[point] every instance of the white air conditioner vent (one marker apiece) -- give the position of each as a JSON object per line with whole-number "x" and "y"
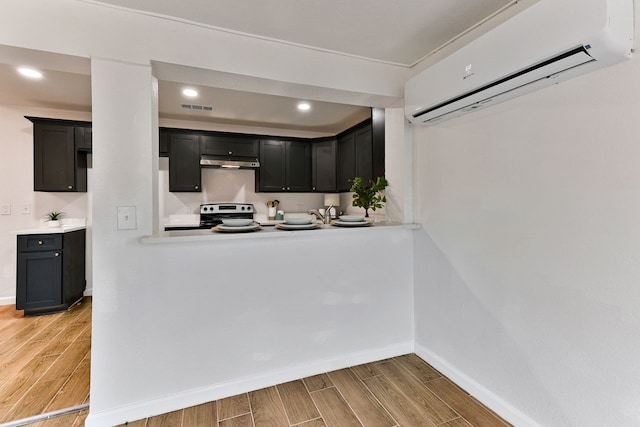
{"x": 572, "y": 37}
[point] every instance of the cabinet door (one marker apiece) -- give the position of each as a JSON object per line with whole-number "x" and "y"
{"x": 39, "y": 280}
{"x": 272, "y": 172}
{"x": 74, "y": 266}
{"x": 298, "y": 166}
{"x": 83, "y": 138}
{"x": 364, "y": 154}
{"x": 346, "y": 161}
{"x": 323, "y": 166}
{"x": 232, "y": 146}
{"x": 184, "y": 163}
{"x": 54, "y": 158}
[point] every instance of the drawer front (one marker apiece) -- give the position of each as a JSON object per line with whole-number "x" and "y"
{"x": 39, "y": 242}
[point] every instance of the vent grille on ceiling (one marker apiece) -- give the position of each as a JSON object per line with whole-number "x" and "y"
{"x": 197, "y": 107}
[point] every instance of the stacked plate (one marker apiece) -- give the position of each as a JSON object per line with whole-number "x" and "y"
{"x": 352, "y": 221}
{"x": 298, "y": 222}
{"x": 237, "y": 225}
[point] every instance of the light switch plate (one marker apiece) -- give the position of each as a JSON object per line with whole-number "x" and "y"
{"x": 126, "y": 218}
{"x": 5, "y": 209}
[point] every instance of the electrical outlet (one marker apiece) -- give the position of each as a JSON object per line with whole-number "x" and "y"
{"x": 5, "y": 209}
{"x": 25, "y": 209}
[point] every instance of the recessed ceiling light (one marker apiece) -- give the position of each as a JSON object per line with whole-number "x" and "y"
{"x": 191, "y": 93}
{"x": 30, "y": 72}
{"x": 304, "y": 106}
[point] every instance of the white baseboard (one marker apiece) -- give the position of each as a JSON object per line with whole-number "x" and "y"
{"x": 488, "y": 398}
{"x": 8, "y": 300}
{"x": 197, "y": 396}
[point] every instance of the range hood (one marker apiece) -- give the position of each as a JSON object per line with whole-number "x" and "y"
{"x": 207, "y": 161}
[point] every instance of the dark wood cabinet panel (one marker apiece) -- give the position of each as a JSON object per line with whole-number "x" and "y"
{"x": 51, "y": 271}
{"x": 184, "y": 163}
{"x": 232, "y": 146}
{"x": 323, "y": 166}
{"x": 272, "y": 175}
{"x": 356, "y": 155}
{"x": 39, "y": 277}
{"x": 298, "y": 165}
{"x": 54, "y": 158}
{"x": 284, "y": 166}
{"x": 83, "y": 138}
{"x": 60, "y": 149}
{"x": 364, "y": 154}
{"x": 346, "y": 160}
{"x": 163, "y": 143}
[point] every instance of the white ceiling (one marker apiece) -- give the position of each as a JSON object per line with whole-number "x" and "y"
{"x": 398, "y": 31}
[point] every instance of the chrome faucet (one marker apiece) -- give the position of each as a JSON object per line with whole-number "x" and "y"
{"x": 326, "y": 218}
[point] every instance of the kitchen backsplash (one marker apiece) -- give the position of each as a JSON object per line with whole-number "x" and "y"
{"x": 220, "y": 185}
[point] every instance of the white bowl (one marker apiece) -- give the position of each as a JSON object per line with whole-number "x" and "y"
{"x": 237, "y": 222}
{"x": 298, "y": 219}
{"x": 352, "y": 218}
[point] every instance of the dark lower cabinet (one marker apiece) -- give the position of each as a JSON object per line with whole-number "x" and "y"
{"x": 284, "y": 166}
{"x": 50, "y": 271}
{"x": 184, "y": 163}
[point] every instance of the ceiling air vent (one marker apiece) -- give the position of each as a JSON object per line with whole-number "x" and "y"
{"x": 197, "y": 107}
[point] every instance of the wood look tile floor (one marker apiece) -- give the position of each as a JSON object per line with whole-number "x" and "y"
{"x": 44, "y": 363}
{"x": 402, "y": 391}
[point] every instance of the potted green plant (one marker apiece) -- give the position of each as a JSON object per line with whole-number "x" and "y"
{"x": 53, "y": 218}
{"x": 369, "y": 195}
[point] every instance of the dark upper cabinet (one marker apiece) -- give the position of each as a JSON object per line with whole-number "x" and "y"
{"x": 284, "y": 166}
{"x": 58, "y": 163}
{"x": 346, "y": 160}
{"x": 163, "y": 143}
{"x": 272, "y": 175}
{"x": 323, "y": 165}
{"x": 184, "y": 162}
{"x": 51, "y": 271}
{"x": 298, "y": 161}
{"x": 364, "y": 154}
{"x": 230, "y": 145}
{"x": 356, "y": 155}
{"x": 84, "y": 138}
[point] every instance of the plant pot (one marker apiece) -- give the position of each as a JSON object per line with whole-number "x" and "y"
{"x": 53, "y": 224}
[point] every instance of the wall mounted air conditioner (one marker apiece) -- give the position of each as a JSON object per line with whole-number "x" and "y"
{"x": 550, "y": 41}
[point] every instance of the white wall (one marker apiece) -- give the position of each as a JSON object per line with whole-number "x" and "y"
{"x": 16, "y": 188}
{"x": 527, "y": 273}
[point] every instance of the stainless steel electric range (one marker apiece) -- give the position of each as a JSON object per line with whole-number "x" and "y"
{"x": 212, "y": 214}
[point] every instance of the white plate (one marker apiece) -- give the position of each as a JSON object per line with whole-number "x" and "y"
{"x": 351, "y": 218}
{"x": 237, "y": 222}
{"x": 226, "y": 229}
{"x": 285, "y": 226}
{"x": 366, "y": 223}
{"x": 298, "y": 219}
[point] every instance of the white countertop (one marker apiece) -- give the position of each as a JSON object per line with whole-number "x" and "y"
{"x": 266, "y": 232}
{"x": 68, "y": 225}
{"x": 49, "y": 230}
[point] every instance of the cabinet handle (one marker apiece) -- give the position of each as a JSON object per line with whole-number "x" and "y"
{"x": 70, "y": 187}
{"x": 314, "y": 188}
{"x": 288, "y": 188}
{"x": 57, "y": 253}
{"x": 39, "y": 242}
{"x": 283, "y": 188}
{"x": 230, "y": 152}
{"x": 195, "y": 187}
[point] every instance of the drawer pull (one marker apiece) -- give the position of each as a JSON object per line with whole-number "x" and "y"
{"x": 57, "y": 253}
{"x": 40, "y": 242}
